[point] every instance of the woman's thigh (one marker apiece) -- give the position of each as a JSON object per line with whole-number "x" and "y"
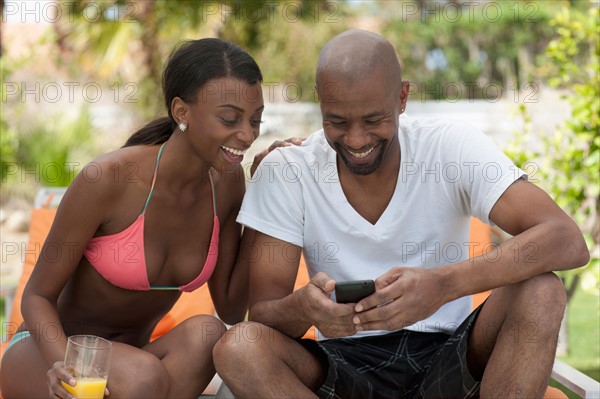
{"x": 132, "y": 371}
{"x": 23, "y": 371}
{"x": 186, "y": 353}
{"x": 179, "y": 364}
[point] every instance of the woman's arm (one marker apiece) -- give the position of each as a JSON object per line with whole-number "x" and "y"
{"x": 80, "y": 213}
{"x": 229, "y": 282}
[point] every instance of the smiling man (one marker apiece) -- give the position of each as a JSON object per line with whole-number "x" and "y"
{"x": 379, "y": 195}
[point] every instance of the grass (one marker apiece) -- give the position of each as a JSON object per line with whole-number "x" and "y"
{"x": 2, "y": 317}
{"x": 584, "y": 336}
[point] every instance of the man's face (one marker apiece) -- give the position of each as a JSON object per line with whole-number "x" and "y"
{"x": 360, "y": 119}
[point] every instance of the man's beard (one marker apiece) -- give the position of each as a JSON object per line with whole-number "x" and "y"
{"x": 363, "y": 169}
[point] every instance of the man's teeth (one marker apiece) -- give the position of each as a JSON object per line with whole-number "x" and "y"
{"x": 361, "y": 154}
{"x": 233, "y": 150}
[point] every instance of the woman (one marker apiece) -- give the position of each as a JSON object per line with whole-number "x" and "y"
{"x": 142, "y": 224}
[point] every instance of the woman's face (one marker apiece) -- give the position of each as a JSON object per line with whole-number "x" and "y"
{"x": 225, "y": 120}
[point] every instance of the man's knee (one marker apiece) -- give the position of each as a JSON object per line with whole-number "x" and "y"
{"x": 244, "y": 337}
{"x": 543, "y": 302}
{"x": 241, "y": 343}
{"x": 548, "y": 290}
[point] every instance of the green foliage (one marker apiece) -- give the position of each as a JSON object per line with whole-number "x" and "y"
{"x": 283, "y": 37}
{"x": 50, "y": 154}
{"x": 486, "y": 48}
{"x": 35, "y": 151}
{"x": 52, "y": 148}
{"x": 584, "y": 342}
{"x": 127, "y": 41}
{"x": 569, "y": 161}
{"x": 8, "y": 137}
{"x": 286, "y": 42}
{"x": 3, "y": 325}
{"x": 8, "y": 145}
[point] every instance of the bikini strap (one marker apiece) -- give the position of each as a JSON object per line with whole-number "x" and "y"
{"x": 214, "y": 197}
{"x": 154, "y": 177}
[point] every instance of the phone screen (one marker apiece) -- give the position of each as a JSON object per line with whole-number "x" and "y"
{"x": 353, "y": 291}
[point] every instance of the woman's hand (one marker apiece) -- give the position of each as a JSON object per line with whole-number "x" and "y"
{"x": 57, "y": 374}
{"x": 54, "y": 376}
{"x": 277, "y": 143}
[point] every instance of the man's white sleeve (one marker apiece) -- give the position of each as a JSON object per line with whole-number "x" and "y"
{"x": 488, "y": 172}
{"x": 274, "y": 203}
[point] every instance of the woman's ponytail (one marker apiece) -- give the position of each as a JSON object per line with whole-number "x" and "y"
{"x": 156, "y": 132}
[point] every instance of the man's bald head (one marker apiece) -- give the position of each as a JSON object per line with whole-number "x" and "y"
{"x": 355, "y": 54}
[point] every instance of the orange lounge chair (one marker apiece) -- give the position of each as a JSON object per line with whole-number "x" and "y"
{"x": 199, "y": 302}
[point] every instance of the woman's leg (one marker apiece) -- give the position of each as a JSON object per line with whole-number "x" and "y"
{"x": 179, "y": 364}
{"x": 23, "y": 371}
{"x": 186, "y": 354}
{"x": 133, "y": 372}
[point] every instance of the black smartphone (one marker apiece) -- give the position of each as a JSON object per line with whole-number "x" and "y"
{"x": 353, "y": 291}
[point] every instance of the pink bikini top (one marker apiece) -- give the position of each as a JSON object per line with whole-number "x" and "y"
{"x": 120, "y": 257}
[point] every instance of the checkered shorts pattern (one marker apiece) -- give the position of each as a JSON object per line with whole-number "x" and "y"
{"x": 402, "y": 364}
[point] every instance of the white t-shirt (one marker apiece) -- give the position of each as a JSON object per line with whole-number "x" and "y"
{"x": 449, "y": 171}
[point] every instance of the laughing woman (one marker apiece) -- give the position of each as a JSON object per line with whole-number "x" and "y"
{"x": 135, "y": 241}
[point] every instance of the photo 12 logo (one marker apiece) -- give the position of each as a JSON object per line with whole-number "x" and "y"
{"x": 27, "y": 11}
{"x": 72, "y": 92}
{"x": 452, "y": 92}
{"x": 468, "y": 11}
{"x": 69, "y": 11}
{"x": 255, "y": 11}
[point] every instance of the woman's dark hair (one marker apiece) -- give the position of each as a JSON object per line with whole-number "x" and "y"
{"x": 189, "y": 67}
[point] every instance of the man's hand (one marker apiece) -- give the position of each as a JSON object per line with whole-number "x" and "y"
{"x": 332, "y": 319}
{"x": 403, "y": 296}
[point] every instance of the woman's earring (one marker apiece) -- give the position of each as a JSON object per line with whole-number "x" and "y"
{"x": 182, "y": 127}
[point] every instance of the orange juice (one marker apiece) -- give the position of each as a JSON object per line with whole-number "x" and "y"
{"x": 87, "y": 388}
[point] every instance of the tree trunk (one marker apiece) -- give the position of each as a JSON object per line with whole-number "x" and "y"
{"x": 148, "y": 21}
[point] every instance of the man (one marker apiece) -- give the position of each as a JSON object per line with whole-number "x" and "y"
{"x": 379, "y": 195}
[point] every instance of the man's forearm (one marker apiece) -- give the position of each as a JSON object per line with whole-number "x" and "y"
{"x": 541, "y": 249}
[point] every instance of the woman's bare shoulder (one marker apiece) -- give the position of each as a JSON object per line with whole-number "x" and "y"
{"x": 108, "y": 177}
{"x": 121, "y": 166}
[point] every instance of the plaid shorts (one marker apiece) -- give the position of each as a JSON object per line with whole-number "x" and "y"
{"x": 401, "y": 364}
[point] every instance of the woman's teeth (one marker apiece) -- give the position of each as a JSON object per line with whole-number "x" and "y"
{"x": 361, "y": 154}
{"x": 233, "y": 150}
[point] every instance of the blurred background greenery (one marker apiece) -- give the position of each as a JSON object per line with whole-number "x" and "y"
{"x": 516, "y": 48}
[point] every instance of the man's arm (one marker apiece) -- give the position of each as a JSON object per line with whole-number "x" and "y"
{"x": 273, "y": 271}
{"x": 545, "y": 239}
